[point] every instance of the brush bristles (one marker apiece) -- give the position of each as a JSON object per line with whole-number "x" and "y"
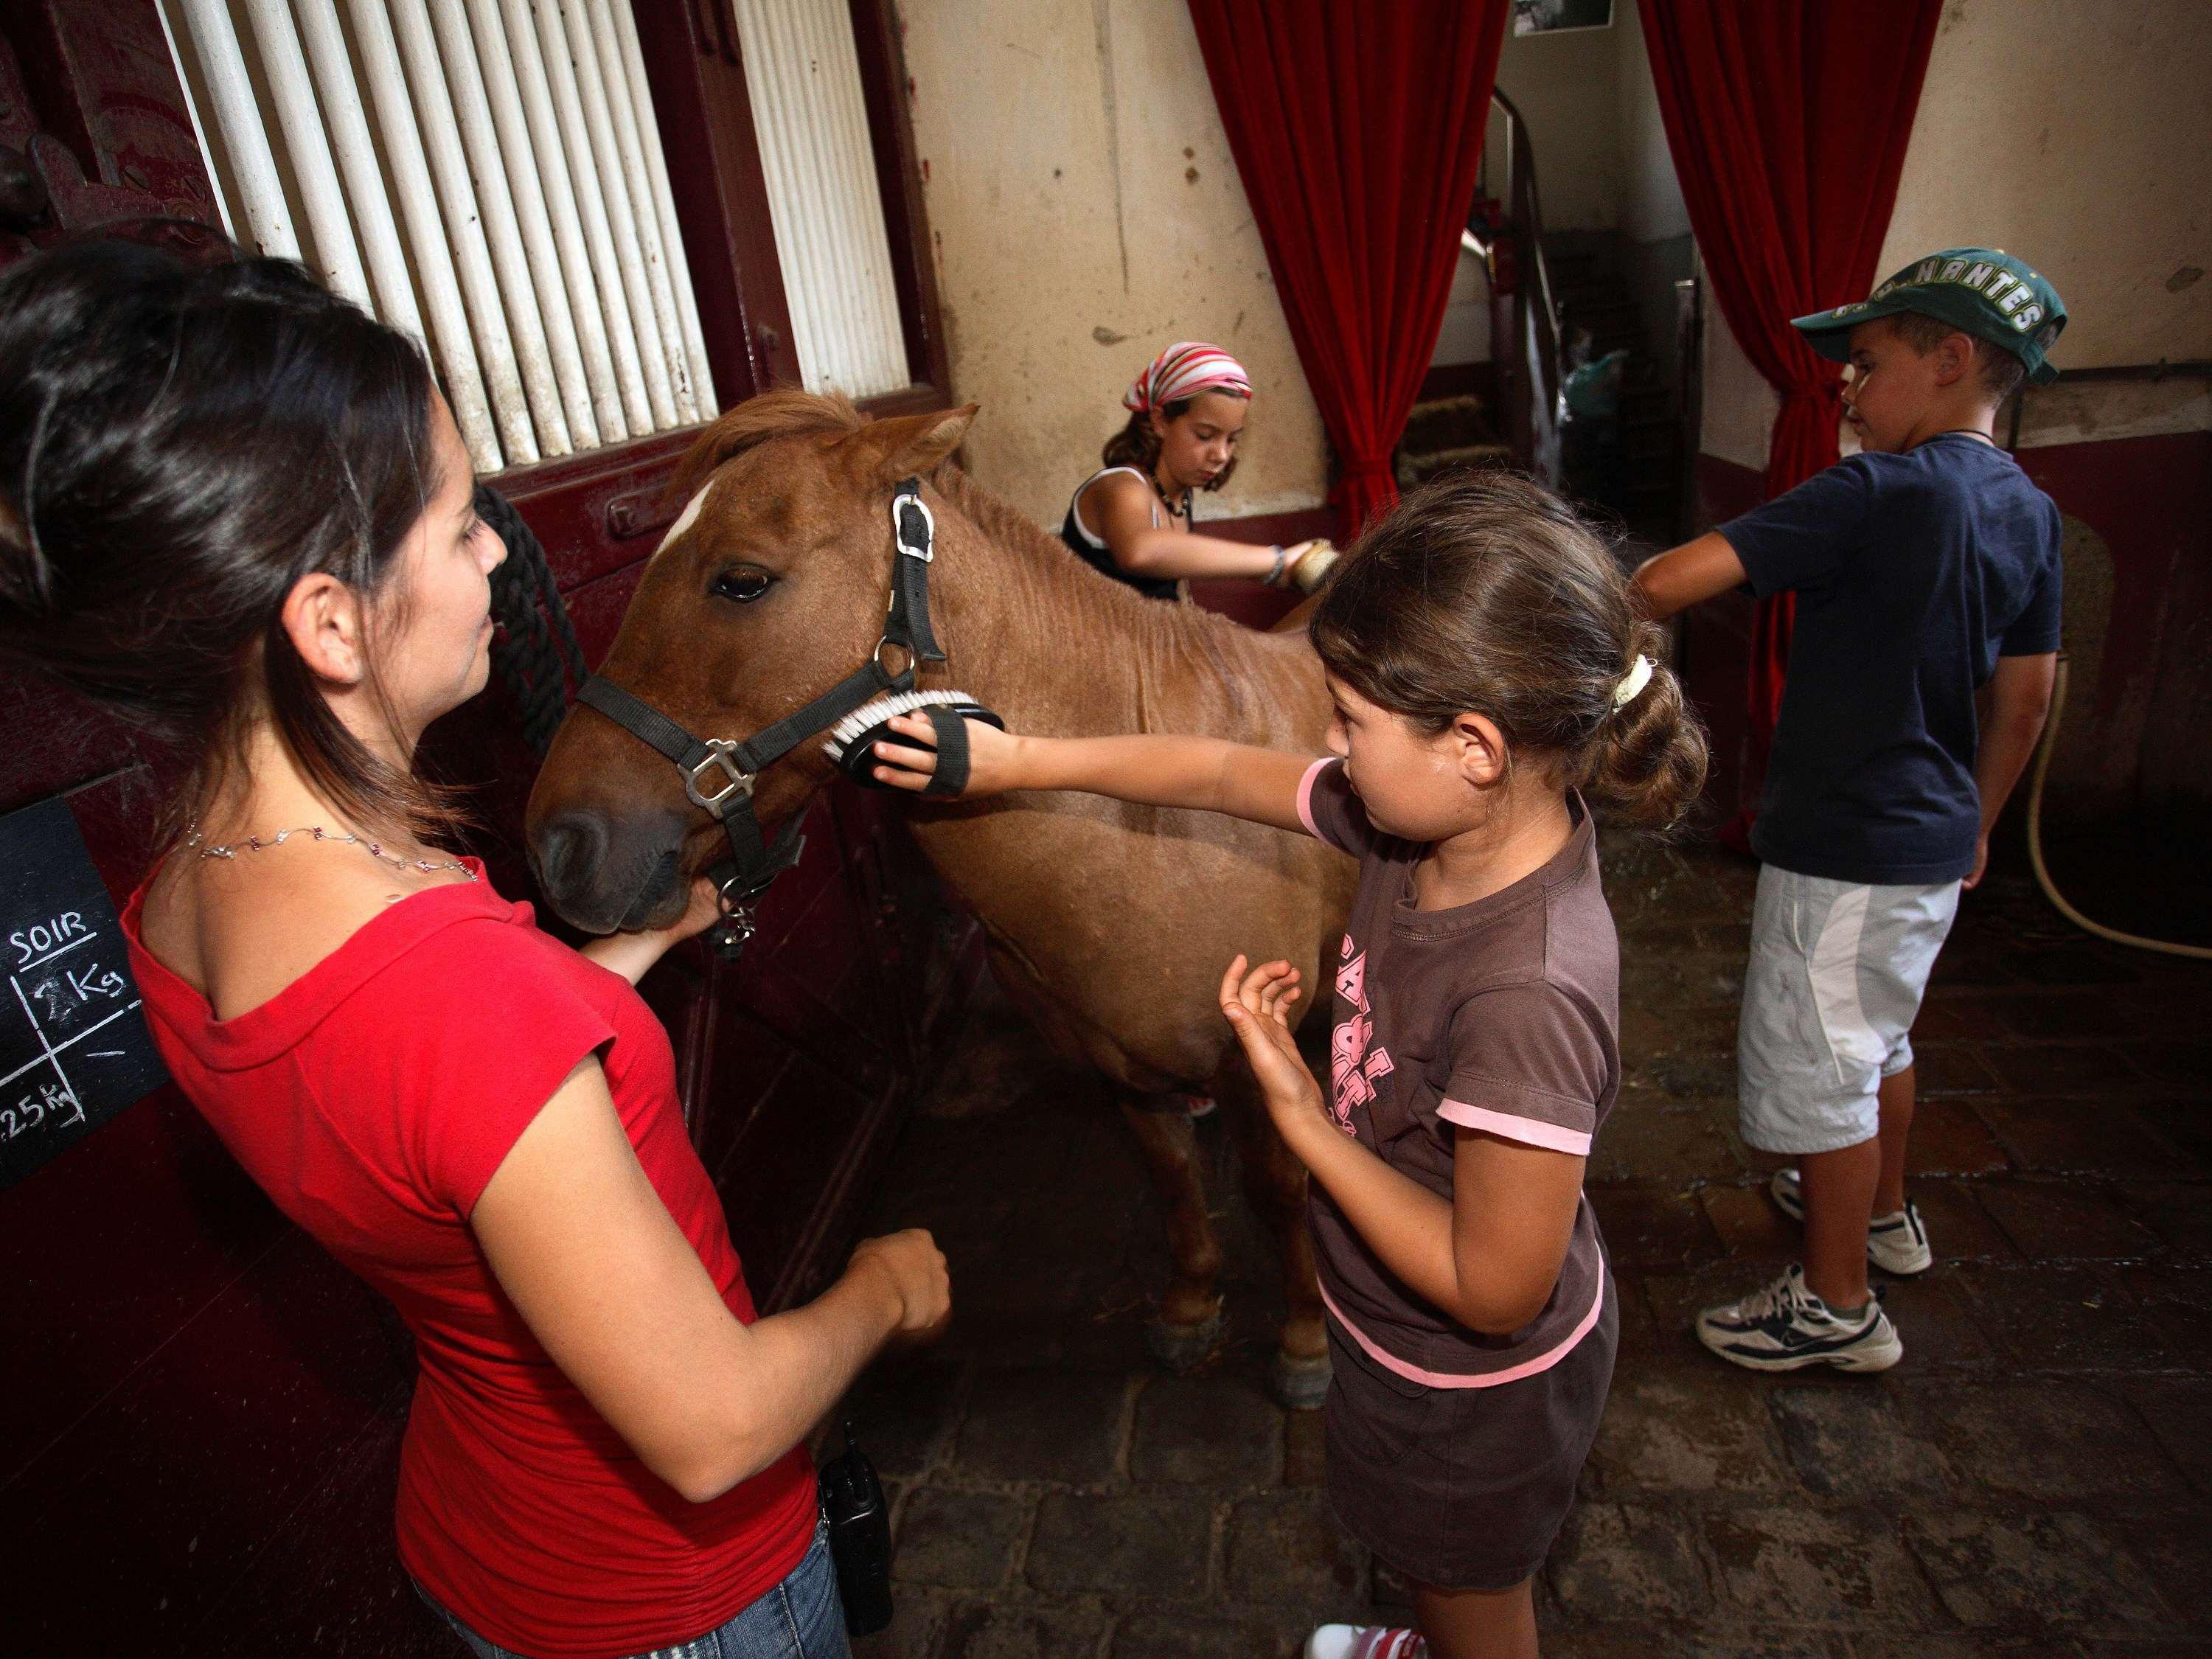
{"x": 883, "y": 709}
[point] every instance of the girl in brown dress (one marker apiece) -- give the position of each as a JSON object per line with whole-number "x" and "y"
{"x": 1492, "y": 685}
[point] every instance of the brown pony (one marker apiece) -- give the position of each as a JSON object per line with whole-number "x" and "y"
{"x": 1108, "y": 925}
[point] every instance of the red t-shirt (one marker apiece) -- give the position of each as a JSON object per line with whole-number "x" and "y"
{"x": 373, "y": 1098}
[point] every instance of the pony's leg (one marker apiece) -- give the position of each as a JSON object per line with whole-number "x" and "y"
{"x": 1275, "y": 1187}
{"x": 1189, "y": 1323}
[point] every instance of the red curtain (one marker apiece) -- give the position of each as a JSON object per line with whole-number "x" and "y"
{"x": 1356, "y": 128}
{"x": 1787, "y": 125}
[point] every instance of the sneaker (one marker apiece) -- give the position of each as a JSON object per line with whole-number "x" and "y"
{"x": 1366, "y": 1641}
{"x": 1895, "y": 1244}
{"x": 1786, "y": 1327}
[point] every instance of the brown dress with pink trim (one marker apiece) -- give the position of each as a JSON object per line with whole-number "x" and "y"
{"x": 1454, "y": 1454}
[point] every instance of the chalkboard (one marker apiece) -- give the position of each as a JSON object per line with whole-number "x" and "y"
{"x": 74, "y": 1048}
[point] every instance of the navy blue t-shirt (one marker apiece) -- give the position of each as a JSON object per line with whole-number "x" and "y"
{"x": 1913, "y": 573}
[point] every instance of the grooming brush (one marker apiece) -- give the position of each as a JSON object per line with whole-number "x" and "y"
{"x": 852, "y": 742}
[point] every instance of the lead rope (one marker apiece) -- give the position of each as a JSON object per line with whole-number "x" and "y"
{"x": 535, "y": 654}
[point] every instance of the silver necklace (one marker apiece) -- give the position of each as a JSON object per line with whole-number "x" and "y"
{"x": 200, "y": 845}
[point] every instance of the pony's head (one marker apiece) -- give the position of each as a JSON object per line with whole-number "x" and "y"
{"x": 769, "y": 587}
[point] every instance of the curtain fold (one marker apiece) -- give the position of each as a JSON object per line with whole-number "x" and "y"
{"x": 1787, "y": 125}
{"x": 1356, "y": 129}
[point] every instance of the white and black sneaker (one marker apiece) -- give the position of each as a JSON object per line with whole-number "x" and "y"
{"x": 1785, "y": 1328}
{"x": 1895, "y": 1244}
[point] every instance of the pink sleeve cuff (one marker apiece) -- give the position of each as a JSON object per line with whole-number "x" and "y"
{"x": 1530, "y": 1131}
{"x": 1305, "y": 796}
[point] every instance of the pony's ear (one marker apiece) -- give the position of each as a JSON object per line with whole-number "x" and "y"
{"x": 911, "y": 446}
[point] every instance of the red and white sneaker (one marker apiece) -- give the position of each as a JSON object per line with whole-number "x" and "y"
{"x": 1366, "y": 1641}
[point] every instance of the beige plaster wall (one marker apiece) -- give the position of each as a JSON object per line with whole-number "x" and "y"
{"x": 1085, "y": 211}
{"x": 1566, "y": 86}
{"x": 2069, "y": 132}
{"x": 1651, "y": 206}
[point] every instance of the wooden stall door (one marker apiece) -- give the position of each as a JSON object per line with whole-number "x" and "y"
{"x": 203, "y": 1409}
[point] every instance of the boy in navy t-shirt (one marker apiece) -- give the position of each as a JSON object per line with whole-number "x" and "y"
{"x": 1926, "y": 572}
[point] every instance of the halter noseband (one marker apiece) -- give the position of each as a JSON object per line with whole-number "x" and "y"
{"x": 720, "y": 773}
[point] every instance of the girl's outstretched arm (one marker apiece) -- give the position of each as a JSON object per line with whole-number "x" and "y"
{"x": 1204, "y": 774}
{"x": 1490, "y": 1256}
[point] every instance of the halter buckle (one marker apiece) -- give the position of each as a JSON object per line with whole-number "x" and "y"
{"x": 926, "y": 550}
{"x": 737, "y": 782}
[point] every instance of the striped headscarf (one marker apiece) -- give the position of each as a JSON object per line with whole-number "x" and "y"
{"x": 1184, "y": 370}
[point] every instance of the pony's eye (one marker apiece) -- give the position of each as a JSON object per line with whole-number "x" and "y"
{"x": 745, "y": 584}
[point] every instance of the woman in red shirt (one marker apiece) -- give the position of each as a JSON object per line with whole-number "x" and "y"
{"x": 235, "y": 510}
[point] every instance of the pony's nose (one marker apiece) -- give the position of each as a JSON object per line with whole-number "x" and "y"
{"x": 567, "y": 849}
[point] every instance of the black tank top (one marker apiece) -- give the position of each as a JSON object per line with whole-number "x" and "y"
{"x": 1100, "y": 557}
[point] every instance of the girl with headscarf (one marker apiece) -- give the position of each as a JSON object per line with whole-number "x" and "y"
{"x": 1132, "y": 519}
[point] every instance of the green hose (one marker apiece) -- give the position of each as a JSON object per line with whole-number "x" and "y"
{"x": 2035, "y": 843}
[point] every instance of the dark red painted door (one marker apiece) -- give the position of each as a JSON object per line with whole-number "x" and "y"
{"x": 204, "y": 1410}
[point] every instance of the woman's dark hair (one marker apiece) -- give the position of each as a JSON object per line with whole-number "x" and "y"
{"x": 1483, "y": 592}
{"x": 180, "y": 443}
{"x": 1137, "y": 445}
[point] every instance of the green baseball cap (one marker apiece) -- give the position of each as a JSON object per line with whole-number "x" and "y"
{"x": 1982, "y": 291}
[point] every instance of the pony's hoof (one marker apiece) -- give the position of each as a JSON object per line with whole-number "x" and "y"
{"x": 1299, "y": 1385}
{"x": 1183, "y": 1347}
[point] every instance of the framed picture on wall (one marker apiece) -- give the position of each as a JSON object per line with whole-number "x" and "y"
{"x": 1555, "y": 17}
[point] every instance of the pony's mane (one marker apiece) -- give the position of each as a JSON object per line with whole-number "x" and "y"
{"x": 786, "y": 414}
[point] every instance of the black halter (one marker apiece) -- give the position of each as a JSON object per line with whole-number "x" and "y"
{"x": 720, "y": 773}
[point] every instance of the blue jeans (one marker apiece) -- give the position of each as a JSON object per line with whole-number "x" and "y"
{"x": 800, "y": 1619}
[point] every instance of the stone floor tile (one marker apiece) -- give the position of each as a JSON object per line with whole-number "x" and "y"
{"x": 2179, "y": 1413}
{"x": 1958, "y": 1228}
{"x": 1189, "y": 1635}
{"x": 2060, "y": 1017}
{"x": 2178, "y": 1212}
{"x": 2049, "y": 1441}
{"x": 1749, "y": 1224}
{"x": 1847, "y": 1442}
{"x": 962, "y": 1541}
{"x": 1952, "y": 1068}
{"x": 1685, "y": 1432}
{"x": 2077, "y": 1136}
{"x": 1645, "y": 1141}
{"x": 2186, "y": 1126}
{"x": 1154, "y": 1544}
{"x": 1936, "y": 1320}
{"x": 2073, "y": 1068}
{"x": 2174, "y": 1062}
{"x": 1648, "y": 1641}
{"x": 1289, "y": 1547}
{"x": 2176, "y": 1300}
{"x": 1305, "y": 1453}
{"x": 901, "y": 1412}
{"x": 1832, "y": 1567}
{"x": 917, "y": 1625}
{"x": 983, "y": 1630}
{"x": 1618, "y": 1562}
{"x": 2065, "y": 1221}
{"x": 1959, "y": 1016}
{"x": 1646, "y": 1031}
{"x": 1041, "y": 1422}
{"x": 1967, "y": 962}
{"x": 2083, "y": 965}
{"x": 1949, "y": 1137}
{"x": 1653, "y": 1231}
{"x": 2062, "y": 1318}
{"x": 1215, "y": 1428}
{"x": 2033, "y": 1570}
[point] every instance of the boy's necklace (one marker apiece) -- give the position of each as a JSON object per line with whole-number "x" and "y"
{"x": 202, "y": 847}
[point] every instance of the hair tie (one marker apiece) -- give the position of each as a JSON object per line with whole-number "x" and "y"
{"x": 1632, "y": 682}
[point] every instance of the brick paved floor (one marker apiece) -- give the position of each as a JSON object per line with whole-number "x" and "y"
{"x": 2032, "y": 1479}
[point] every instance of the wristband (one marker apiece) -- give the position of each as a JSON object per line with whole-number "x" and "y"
{"x": 1274, "y": 576}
